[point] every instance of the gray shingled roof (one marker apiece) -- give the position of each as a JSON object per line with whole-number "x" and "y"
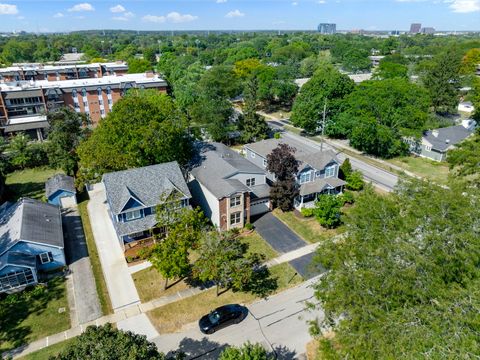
{"x": 447, "y": 137}
{"x": 32, "y": 221}
{"x": 59, "y": 182}
{"x": 130, "y": 227}
{"x": 216, "y": 164}
{"x": 305, "y": 154}
{"x": 319, "y": 185}
{"x": 146, "y": 184}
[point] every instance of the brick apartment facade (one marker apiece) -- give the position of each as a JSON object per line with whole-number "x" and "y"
{"x": 92, "y": 89}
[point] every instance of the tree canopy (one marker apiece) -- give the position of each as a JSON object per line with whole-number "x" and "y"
{"x": 404, "y": 281}
{"x": 144, "y": 128}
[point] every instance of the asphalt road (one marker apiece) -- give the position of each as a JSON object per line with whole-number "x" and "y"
{"x": 382, "y": 179}
{"x": 279, "y": 323}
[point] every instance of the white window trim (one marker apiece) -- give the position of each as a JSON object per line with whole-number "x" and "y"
{"x": 428, "y": 148}
{"x": 45, "y": 261}
{"x": 234, "y": 202}
{"x": 133, "y": 213}
{"x": 264, "y": 162}
{"x": 250, "y": 182}
{"x": 237, "y": 218}
{"x": 328, "y": 171}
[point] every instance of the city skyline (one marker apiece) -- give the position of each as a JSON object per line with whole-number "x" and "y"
{"x": 62, "y": 16}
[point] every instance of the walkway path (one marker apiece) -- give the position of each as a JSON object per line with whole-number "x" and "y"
{"x": 134, "y": 317}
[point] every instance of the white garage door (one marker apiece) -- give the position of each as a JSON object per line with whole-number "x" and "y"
{"x": 259, "y": 207}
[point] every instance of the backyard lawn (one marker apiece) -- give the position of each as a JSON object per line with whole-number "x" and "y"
{"x": 431, "y": 170}
{"x": 29, "y": 182}
{"x": 307, "y": 228}
{"x": 100, "y": 283}
{"x": 33, "y": 314}
{"x": 172, "y": 317}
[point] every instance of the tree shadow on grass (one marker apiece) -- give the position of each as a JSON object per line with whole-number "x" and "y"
{"x": 16, "y": 308}
{"x": 34, "y": 190}
{"x": 284, "y": 353}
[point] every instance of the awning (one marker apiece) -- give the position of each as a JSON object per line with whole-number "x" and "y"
{"x": 26, "y": 126}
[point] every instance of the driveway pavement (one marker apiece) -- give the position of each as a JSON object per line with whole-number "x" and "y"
{"x": 277, "y": 234}
{"x": 86, "y": 303}
{"x": 280, "y": 322}
{"x": 306, "y": 267}
{"x": 120, "y": 284}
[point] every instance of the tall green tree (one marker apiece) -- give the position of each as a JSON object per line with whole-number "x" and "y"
{"x": 390, "y": 70}
{"x": 464, "y": 161}
{"x": 442, "y": 80}
{"x": 247, "y": 351}
{"x": 19, "y": 152}
{"x": 328, "y": 210}
{"x": 107, "y": 343}
{"x": 144, "y": 128}
{"x": 138, "y": 65}
{"x": 326, "y": 89}
{"x": 67, "y": 130}
{"x": 404, "y": 279}
{"x": 253, "y": 126}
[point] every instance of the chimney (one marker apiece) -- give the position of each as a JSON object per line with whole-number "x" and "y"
{"x": 447, "y": 141}
{"x": 435, "y": 133}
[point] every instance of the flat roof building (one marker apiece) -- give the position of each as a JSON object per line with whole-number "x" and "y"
{"x": 327, "y": 29}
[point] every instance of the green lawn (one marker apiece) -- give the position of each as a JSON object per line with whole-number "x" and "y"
{"x": 149, "y": 284}
{"x": 256, "y": 244}
{"x": 100, "y": 283}
{"x": 307, "y": 228}
{"x": 28, "y": 182}
{"x": 172, "y": 317}
{"x": 33, "y": 314}
{"x": 431, "y": 170}
{"x": 49, "y": 351}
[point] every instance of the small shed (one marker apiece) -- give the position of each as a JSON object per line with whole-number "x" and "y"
{"x": 60, "y": 190}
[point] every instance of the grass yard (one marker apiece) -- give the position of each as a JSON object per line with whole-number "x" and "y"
{"x": 100, "y": 283}
{"x": 49, "y": 351}
{"x": 33, "y": 314}
{"x": 431, "y": 170}
{"x": 149, "y": 284}
{"x": 174, "y": 316}
{"x": 307, "y": 228}
{"x": 256, "y": 244}
{"x": 29, "y": 182}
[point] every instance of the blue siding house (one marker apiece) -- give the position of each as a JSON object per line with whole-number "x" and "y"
{"x": 58, "y": 187}
{"x": 31, "y": 243}
{"x": 132, "y": 196}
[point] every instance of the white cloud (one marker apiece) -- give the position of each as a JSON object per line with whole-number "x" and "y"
{"x": 117, "y": 9}
{"x": 173, "y": 17}
{"x": 295, "y": 3}
{"x": 221, "y": 1}
{"x": 124, "y": 17}
{"x": 119, "y": 18}
{"x": 464, "y": 6}
{"x": 58, "y": 15}
{"x": 235, "y": 13}
{"x": 129, "y": 14}
{"x": 82, "y": 7}
{"x": 7, "y": 9}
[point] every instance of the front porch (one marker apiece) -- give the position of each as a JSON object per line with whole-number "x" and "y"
{"x": 135, "y": 242}
{"x": 308, "y": 200}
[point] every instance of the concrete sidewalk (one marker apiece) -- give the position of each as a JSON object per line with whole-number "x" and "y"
{"x": 120, "y": 284}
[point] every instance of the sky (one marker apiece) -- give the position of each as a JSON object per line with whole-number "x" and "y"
{"x": 56, "y": 15}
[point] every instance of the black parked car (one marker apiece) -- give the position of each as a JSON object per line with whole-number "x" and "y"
{"x": 221, "y": 317}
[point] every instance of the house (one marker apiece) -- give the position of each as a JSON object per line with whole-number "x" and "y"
{"x": 317, "y": 174}
{"x": 434, "y": 144}
{"x": 133, "y": 195}
{"x": 31, "y": 243}
{"x": 229, "y": 188}
{"x": 466, "y": 106}
{"x": 60, "y": 190}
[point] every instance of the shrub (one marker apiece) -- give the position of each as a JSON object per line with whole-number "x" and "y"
{"x": 145, "y": 253}
{"x": 277, "y": 135}
{"x": 248, "y": 226}
{"x": 355, "y": 181}
{"x": 327, "y": 211}
{"x": 307, "y": 212}
{"x": 347, "y": 198}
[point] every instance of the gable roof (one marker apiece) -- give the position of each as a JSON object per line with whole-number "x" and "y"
{"x": 446, "y": 137}
{"x": 59, "y": 182}
{"x": 305, "y": 154}
{"x": 32, "y": 221}
{"x": 145, "y": 185}
{"x": 216, "y": 163}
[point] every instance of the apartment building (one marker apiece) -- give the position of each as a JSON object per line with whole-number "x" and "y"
{"x": 25, "y": 102}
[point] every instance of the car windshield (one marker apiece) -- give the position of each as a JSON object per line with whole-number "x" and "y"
{"x": 214, "y": 317}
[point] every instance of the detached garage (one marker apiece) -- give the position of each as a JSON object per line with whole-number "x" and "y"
{"x": 60, "y": 191}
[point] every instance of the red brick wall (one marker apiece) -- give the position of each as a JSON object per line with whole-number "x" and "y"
{"x": 246, "y": 203}
{"x": 223, "y": 203}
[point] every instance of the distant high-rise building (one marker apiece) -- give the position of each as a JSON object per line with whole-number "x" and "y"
{"x": 428, "y": 30}
{"x": 415, "y": 28}
{"x": 327, "y": 29}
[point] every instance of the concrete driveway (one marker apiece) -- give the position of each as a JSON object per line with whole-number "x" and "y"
{"x": 277, "y": 234}
{"x": 280, "y": 322}
{"x": 120, "y": 284}
{"x": 87, "y": 305}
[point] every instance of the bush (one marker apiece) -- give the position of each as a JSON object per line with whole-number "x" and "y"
{"x": 307, "y": 212}
{"x": 327, "y": 211}
{"x": 355, "y": 181}
{"x": 145, "y": 253}
{"x": 277, "y": 135}
{"x": 248, "y": 226}
{"x": 347, "y": 198}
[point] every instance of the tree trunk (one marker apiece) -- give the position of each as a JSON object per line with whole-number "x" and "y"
{"x": 218, "y": 288}
{"x": 165, "y": 285}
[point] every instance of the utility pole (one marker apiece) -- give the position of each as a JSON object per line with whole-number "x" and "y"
{"x": 323, "y": 123}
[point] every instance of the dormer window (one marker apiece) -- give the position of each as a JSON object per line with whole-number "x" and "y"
{"x": 133, "y": 215}
{"x": 305, "y": 177}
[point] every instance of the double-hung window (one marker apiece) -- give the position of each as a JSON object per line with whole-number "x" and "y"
{"x": 251, "y": 182}
{"x": 133, "y": 215}
{"x": 235, "y": 218}
{"x": 46, "y": 257}
{"x": 330, "y": 171}
{"x": 235, "y": 200}
{"x": 305, "y": 177}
